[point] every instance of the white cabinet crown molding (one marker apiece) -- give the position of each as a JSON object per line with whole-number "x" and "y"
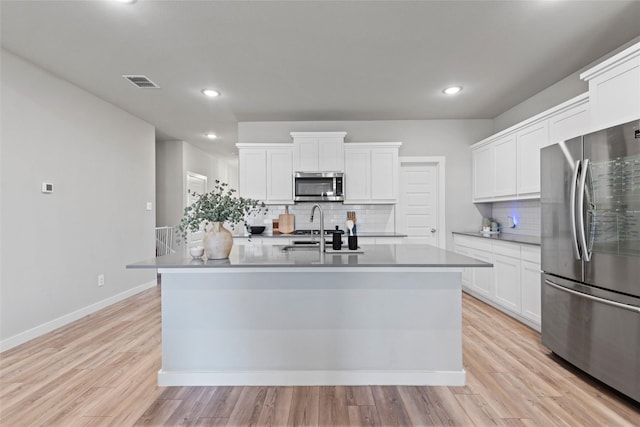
{"x": 580, "y": 99}
{"x": 263, "y": 144}
{"x": 372, "y": 144}
{"x": 620, "y": 58}
{"x": 317, "y": 134}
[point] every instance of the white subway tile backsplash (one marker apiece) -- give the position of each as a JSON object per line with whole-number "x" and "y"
{"x": 370, "y": 218}
{"x": 525, "y": 212}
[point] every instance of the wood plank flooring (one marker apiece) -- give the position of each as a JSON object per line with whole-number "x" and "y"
{"x": 101, "y": 371}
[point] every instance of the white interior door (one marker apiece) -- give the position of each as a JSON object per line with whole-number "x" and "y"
{"x": 421, "y": 201}
{"x": 196, "y": 184}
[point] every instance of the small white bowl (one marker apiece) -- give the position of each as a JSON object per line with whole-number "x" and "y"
{"x": 196, "y": 251}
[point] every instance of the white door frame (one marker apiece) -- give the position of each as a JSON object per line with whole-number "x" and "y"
{"x": 440, "y": 162}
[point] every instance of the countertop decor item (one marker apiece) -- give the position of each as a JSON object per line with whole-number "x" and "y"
{"x": 196, "y": 252}
{"x": 286, "y": 221}
{"x": 256, "y": 229}
{"x": 211, "y": 210}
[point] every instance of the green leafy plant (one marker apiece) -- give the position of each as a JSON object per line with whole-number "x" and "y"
{"x": 221, "y": 204}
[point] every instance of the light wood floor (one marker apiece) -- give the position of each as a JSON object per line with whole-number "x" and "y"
{"x": 101, "y": 370}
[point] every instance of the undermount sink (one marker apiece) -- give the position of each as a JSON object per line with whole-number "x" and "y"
{"x": 302, "y": 246}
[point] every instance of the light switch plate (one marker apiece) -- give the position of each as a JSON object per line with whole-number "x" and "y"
{"x": 47, "y": 187}
{"x": 149, "y": 206}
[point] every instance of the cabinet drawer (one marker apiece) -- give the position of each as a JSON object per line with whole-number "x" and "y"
{"x": 507, "y": 249}
{"x": 463, "y": 240}
{"x": 473, "y": 242}
{"x": 530, "y": 253}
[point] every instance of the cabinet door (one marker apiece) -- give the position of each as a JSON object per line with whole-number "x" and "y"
{"x": 307, "y": 154}
{"x": 384, "y": 174}
{"x": 252, "y": 165}
{"x": 531, "y": 298}
{"x": 483, "y": 277}
{"x": 483, "y": 167}
{"x": 507, "y": 282}
{"x": 505, "y": 166}
{"x": 357, "y": 162}
{"x": 530, "y": 141}
{"x": 569, "y": 124}
{"x": 331, "y": 154}
{"x": 613, "y": 95}
{"x": 279, "y": 175}
{"x": 467, "y": 273}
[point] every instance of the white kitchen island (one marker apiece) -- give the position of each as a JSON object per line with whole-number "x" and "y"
{"x": 391, "y": 315}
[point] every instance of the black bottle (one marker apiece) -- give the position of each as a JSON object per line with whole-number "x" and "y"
{"x": 337, "y": 240}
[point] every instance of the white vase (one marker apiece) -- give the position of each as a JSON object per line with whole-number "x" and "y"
{"x": 218, "y": 242}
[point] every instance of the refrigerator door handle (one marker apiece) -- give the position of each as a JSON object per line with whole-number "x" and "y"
{"x": 572, "y": 210}
{"x": 592, "y": 298}
{"x": 586, "y": 255}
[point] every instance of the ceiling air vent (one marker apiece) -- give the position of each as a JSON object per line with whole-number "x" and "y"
{"x": 142, "y": 82}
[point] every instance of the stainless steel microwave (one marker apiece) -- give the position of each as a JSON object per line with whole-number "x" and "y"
{"x": 318, "y": 186}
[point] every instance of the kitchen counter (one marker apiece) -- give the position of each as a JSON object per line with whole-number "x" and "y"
{"x": 505, "y": 237}
{"x": 424, "y": 256}
{"x": 389, "y": 316}
{"x": 270, "y": 235}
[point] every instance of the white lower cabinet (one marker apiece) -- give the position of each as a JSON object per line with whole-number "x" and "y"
{"x": 512, "y": 285}
{"x": 506, "y": 272}
{"x": 530, "y": 276}
{"x": 479, "y": 280}
{"x": 482, "y": 277}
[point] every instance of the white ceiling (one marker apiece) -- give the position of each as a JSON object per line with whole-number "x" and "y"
{"x": 313, "y": 60}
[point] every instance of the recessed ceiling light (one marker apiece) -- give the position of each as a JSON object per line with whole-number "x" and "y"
{"x": 211, "y": 135}
{"x": 452, "y": 90}
{"x": 210, "y": 92}
{"x": 125, "y": 1}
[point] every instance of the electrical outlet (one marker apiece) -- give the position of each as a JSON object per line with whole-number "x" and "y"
{"x": 100, "y": 279}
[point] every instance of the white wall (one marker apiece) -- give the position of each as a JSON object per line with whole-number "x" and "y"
{"x": 101, "y": 162}
{"x": 173, "y": 160}
{"x": 555, "y": 94}
{"x": 196, "y": 160}
{"x": 169, "y": 183}
{"x": 449, "y": 138}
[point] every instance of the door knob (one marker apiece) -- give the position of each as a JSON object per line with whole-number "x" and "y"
{"x": 433, "y": 230}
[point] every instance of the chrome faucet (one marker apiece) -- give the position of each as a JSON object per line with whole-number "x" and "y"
{"x": 313, "y": 209}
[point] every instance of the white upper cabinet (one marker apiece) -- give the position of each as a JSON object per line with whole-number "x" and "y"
{"x": 266, "y": 172}
{"x": 371, "y": 172}
{"x": 571, "y": 121}
{"x": 252, "y": 166}
{"x": 318, "y": 151}
{"x": 384, "y": 174}
{"x": 506, "y": 166}
{"x": 614, "y": 89}
{"x": 358, "y": 174}
{"x": 505, "y": 172}
{"x": 280, "y": 175}
{"x": 530, "y": 140}
{"x": 494, "y": 169}
{"x": 306, "y": 154}
{"x": 483, "y": 161}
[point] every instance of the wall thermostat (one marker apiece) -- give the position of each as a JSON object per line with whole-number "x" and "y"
{"x": 47, "y": 187}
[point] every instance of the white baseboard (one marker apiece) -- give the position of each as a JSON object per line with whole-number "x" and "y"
{"x": 71, "y": 317}
{"x": 311, "y": 378}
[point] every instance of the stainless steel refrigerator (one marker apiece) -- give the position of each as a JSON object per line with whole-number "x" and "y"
{"x": 590, "y": 212}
